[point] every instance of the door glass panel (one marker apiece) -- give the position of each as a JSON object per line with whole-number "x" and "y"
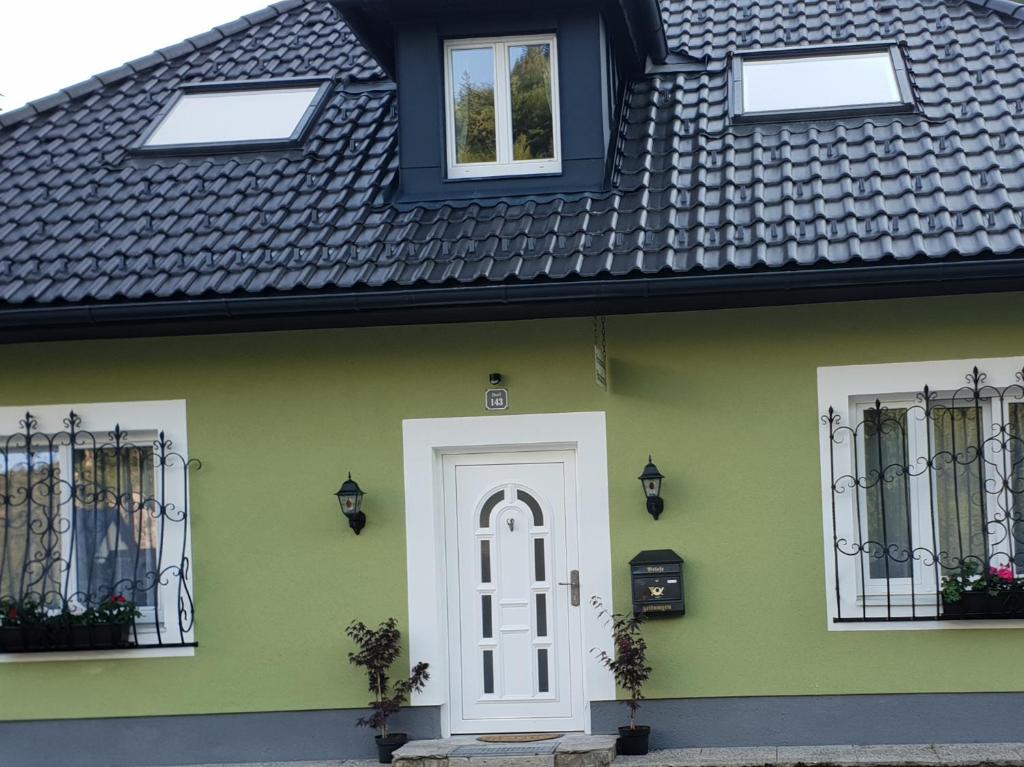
{"x": 531, "y": 503}
{"x": 488, "y": 507}
{"x": 473, "y": 92}
{"x": 538, "y": 560}
{"x": 485, "y": 606}
{"x": 533, "y": 132}
{"x": 889, "y": 544}
{"x": 542, "y": 670}
{"x": 542, "y": 615}
{"x": 485, "y": 561}
{"x": 488, "y": 672}
{"x": 959, "y": 484}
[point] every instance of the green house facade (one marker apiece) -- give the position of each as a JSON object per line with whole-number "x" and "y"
{"x": 238, "y": 272}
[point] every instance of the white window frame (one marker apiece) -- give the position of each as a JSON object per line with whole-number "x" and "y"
{"x": 505, "y": 165}
{"x": 905, "y": 102}
{"x": 141, "y": 421}
{"x": 318, "y": 85}
{"x": 851, "y": 391}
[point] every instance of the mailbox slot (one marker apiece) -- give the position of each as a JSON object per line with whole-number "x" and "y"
{"x": 657, "y": 578}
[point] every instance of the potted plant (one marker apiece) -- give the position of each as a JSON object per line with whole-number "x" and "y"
{"x": 379, "y": 648}
{"x": 29, "y": 625}
{"x": 973, "y": 594}
{"x": 631, "y": 671}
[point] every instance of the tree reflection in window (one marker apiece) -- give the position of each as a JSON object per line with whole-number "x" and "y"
{"x": 530, "y": 80}
{"x": 475, "y": 131}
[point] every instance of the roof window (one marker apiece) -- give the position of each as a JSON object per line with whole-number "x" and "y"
{"x": 840, "y": 80}
{"x": 236, "y": 115}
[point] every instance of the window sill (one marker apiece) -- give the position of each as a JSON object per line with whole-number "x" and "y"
{"x": 494, "y": 173}
{"x": 38, "y": 656}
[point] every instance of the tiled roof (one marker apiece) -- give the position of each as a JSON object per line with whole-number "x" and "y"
{"x": 82, "y": 220}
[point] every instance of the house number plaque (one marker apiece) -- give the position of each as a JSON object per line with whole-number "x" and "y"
{"x": 496, "y": 399}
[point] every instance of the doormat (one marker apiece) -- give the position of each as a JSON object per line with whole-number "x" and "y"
{"x": 523, "y": 737}
{"x": 505, "y": 750}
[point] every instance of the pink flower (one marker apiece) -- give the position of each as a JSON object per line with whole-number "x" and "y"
{"x": 1002, "y": 573}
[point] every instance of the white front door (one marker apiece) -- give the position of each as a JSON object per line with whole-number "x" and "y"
{"x": 515, "y": 649}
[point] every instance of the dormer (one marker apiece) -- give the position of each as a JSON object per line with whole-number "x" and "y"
{"x": 499, "y": 98}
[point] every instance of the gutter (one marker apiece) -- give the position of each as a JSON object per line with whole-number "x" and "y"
{"x": 517, "y": 301}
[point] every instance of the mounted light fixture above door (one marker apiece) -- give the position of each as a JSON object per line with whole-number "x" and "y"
{"x": 651, "y": 481}
{"x": 350, "y": 496}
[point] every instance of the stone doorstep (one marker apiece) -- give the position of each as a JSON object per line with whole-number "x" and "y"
{"x": 570, "y": 751}
{"x": 430, "y": 753}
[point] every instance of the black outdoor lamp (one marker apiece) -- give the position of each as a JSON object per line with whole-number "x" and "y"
{"x": 350, "y": 496}
{"x": 651, "y": 480}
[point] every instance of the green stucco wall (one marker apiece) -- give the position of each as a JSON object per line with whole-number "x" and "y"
{"x": 725, "y": 400}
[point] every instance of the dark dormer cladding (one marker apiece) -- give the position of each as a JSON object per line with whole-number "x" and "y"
{"x": 501, "y": 99}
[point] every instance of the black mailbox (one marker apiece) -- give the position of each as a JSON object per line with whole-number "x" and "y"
{"x": 657, "y": 583}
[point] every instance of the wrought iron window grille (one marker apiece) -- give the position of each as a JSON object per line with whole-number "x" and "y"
{"x": 927, "y": 490}
{"x": 90, "y": 516}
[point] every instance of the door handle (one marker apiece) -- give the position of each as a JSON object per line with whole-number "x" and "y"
{"x": 574, "y": 587}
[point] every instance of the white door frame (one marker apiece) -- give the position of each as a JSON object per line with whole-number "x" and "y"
{"x": 426, "y": 441}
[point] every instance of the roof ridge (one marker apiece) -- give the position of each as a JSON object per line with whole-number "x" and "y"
{"x": 134, "y": 67}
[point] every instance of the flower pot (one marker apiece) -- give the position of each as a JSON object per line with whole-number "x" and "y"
{"x": 980, "y": 605}
{"x": 102, "y": 636}
{"x": 633, "y": 741}
{"x": 386, "y": 746}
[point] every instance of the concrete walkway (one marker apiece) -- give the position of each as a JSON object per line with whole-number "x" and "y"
{"x": 955, "y": 755}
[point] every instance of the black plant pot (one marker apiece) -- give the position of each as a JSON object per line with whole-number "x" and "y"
{"x": 386, "y": 747}
{"x": 635, "y": 741}
{"x": 103, "y": 636}
{"x": 980, "y": 605}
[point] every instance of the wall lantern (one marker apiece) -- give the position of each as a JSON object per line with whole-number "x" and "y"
{"x": 651, "y": 481}
{"x": 350, "y": 496}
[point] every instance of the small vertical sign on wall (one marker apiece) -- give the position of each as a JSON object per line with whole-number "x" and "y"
{"x": 601, "y": 352}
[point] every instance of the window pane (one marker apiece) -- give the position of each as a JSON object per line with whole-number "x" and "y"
{"x": 538, "y": 559}
{"x": 116, "y": 523}
{"x": 258, "y": 115}
{"x": 959, "y": 485}
{"x": 819, "y": 82}
{"x": 889, "y": 542}
{"x": 1016, "y": 476}
{"x": 533, "y": 131}
{"x": 473, "y": 91}
{"x": 30, "y": 546}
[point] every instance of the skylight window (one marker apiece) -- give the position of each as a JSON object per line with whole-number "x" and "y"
{"x": 850, "y": 80}
{"x": 222, "y": 115}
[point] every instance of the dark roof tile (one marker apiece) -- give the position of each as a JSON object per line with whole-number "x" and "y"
{"x": 83, "y": 220}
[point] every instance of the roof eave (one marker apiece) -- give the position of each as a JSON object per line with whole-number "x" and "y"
{"x": 513, "y": 301}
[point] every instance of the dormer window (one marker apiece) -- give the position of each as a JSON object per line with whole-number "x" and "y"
{"x": 824, "y": 81}
{"x": 502, "y": 107}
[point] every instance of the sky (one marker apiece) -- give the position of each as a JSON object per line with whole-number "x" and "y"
{"x": 46, "y": 45}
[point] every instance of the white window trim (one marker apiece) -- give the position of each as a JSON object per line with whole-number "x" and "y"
{"x": 168, "y": 416}
{"x": 848, "y": 390}
{"x": 426, "y": 442}
{"x": 904, "y": 103}
{"x": 505, "y": 165}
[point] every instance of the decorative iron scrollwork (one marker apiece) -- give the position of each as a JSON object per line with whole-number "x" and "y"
{"x": 925, "y": 492}
{"x": 86, "y": 517}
